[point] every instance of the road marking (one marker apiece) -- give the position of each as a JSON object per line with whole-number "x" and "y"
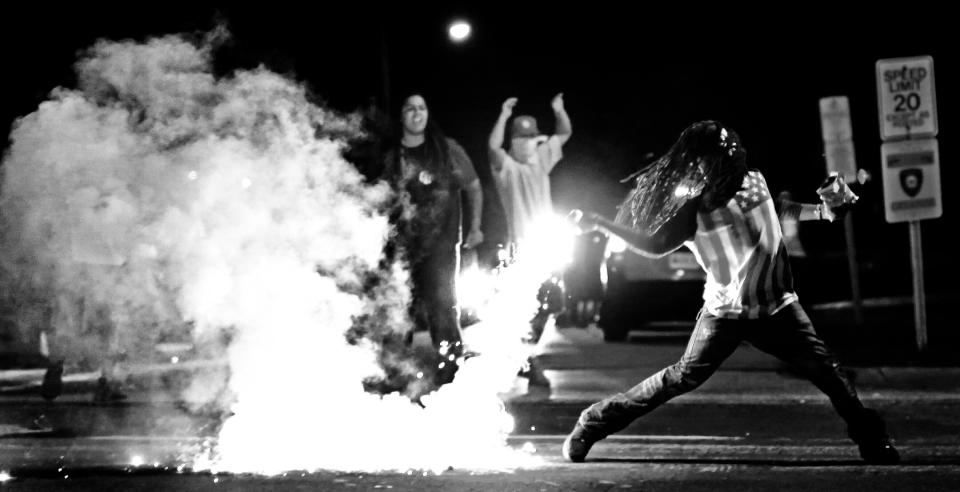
{"x": 148, "y": 438}
{"x": 16, "y": 441}
{"x": 565, "y": 396}
{"x": 644, "y": 437}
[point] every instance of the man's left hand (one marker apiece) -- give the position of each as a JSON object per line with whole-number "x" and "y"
{"x": 557, "y": 103}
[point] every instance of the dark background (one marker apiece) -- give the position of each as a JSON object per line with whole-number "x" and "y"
{"x": 633, "y": 77}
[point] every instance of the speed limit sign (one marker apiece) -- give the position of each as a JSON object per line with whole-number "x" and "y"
{"x": 907, "y": 98}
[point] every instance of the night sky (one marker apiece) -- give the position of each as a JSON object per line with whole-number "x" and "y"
{"x": 632, "y": 81}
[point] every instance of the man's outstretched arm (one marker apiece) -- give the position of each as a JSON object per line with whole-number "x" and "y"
{"x": 666, "y": 240}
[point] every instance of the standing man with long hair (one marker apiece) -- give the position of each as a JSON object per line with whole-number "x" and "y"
{"x": 701, "y": 194}
{"x": 428, "y": 171}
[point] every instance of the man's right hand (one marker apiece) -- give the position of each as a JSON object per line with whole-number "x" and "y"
{"x": 508, "y": 105}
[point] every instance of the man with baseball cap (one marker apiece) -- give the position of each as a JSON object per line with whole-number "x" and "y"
{"x": 522, "y": 174}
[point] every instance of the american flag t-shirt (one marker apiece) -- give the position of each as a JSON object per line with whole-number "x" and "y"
{"x": 741, "y": 248}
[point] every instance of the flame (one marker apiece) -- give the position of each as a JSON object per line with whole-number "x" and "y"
{"x": 475, "y": 287}
{"x": 511, "y": 289}
{"x": 464, "y": 424}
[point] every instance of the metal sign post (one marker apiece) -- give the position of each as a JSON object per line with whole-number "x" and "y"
{"x": 907, "y": 103}
{"x": 838, "y": 151}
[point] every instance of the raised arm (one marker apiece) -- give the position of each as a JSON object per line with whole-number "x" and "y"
{"x": 564, "y": 128}
{"x": 495, "y": 143}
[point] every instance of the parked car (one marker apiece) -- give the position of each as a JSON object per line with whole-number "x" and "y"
{"x": 583, "y": 281}
{"x": 648, "y": 293}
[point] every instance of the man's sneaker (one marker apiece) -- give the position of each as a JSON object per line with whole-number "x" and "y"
{"x": 532, "y": 371}
{"x": 537, "y": 325}
{"x": 869, "y": 431}
{"x": 879, "y": 452}
{"x": 52, "y": 384}
{"x": 578, "y": 444}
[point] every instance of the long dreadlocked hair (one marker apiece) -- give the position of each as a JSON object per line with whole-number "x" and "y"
{"x": 706, "y": 163}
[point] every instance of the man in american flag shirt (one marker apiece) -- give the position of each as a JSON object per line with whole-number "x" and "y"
{"x": 702, "y": 195}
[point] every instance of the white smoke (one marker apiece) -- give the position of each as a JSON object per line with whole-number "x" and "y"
{"x": 165, "y": 198}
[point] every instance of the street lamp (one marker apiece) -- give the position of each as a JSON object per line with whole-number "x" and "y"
{"x": 459, "y": 31}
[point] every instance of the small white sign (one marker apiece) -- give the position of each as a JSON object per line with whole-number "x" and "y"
{"x": 835, "y": 119}
{"x": 841, "y": 159}
{"x": 838, "y": 137}
{"x": 906, "y": 96}
{"x": 911, "y": 180}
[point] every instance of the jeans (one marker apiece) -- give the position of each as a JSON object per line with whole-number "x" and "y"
{"x": 787, "y": 335}
{"x": 434, "y": 307}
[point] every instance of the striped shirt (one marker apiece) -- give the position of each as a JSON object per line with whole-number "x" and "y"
{"x": 740, "y": 246}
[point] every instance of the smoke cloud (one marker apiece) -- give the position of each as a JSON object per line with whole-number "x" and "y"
{"x": 157, "y": 200}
